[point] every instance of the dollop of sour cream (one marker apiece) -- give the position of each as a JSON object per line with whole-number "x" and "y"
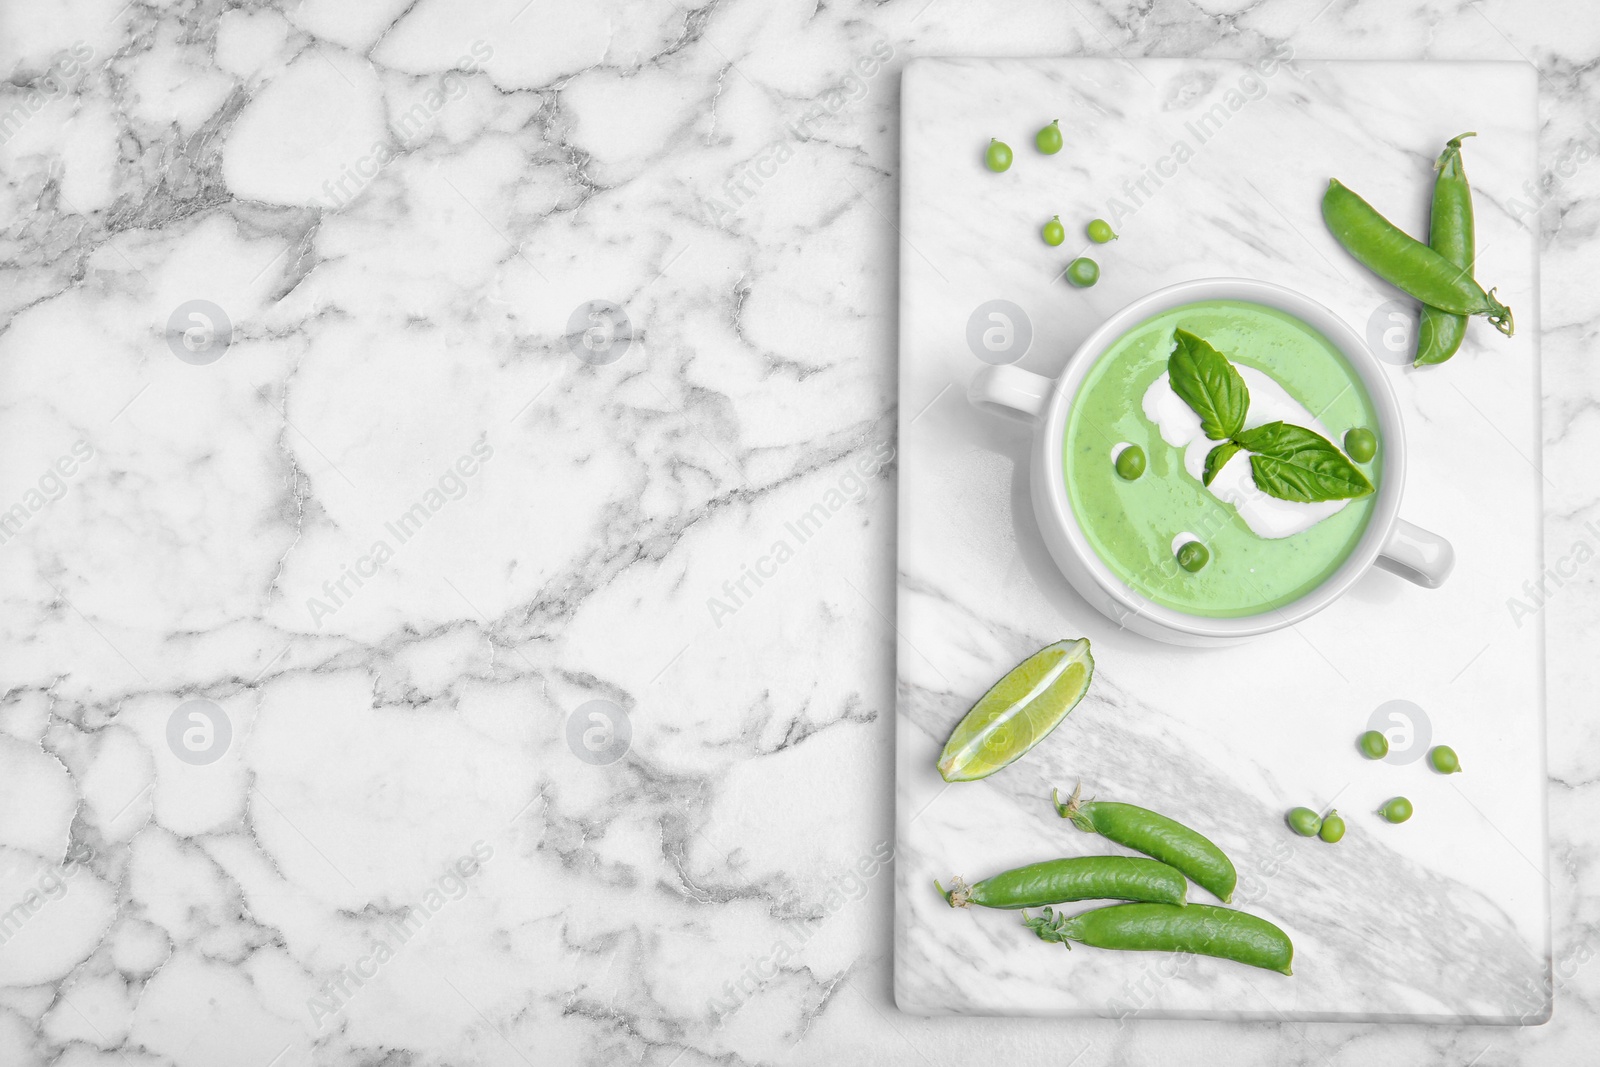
{"x": 1267, "y": 516}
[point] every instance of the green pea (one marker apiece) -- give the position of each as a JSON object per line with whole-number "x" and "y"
{"x": 1192, "y": 555}
{"x": 1305, "y": 822}
{"x": 1397, "y": 810}
{"x": 1201, "y": 929}
{"x": 1100, "y": 232}
{"x": 1077, "y": 878}
{"x": 1332, "y": 827}
{"x": 1130, "y": 462}
{"x": 1049, "y": 139}
{"x": 1054, "y": 233}
{"x": 1373, "y": 745}
{"x": 1083, "y": 272}
{"x": 998, "y": 157}
{"x": 1444, "y": 759}
{"x": 1361, "y": 445}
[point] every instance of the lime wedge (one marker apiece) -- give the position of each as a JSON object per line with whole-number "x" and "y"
{"x": 1018, "y": 712}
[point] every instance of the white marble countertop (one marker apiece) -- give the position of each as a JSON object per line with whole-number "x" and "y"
{"x": 546, "y": 702}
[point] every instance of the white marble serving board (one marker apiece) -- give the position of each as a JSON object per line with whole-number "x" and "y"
{"x": 1444, "y": 918}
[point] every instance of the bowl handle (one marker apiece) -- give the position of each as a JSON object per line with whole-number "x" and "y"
{"x": 1417, "y": 555}
{"x": 1010, "y": 391}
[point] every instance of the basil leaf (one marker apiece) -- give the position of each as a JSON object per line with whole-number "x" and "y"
{"x": 1209, "y": 384}
{"x": 1216, "y": 458}
{"x": 1293, "y": 463}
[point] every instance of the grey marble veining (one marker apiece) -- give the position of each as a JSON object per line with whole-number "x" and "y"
{"x": 422, "y": 840}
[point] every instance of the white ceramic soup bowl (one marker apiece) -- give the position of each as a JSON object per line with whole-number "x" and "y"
{"x": 1388, "y": 541}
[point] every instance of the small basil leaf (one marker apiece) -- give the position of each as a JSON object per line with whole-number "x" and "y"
{"x": 1209, "y": 384}
{"x": 1293, "y": 463}
{"x": 1216, "y": 458}
{"x": 1261, "y": 438}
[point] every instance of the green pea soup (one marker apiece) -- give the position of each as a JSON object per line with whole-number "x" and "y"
{"x": 1132, "y": 524}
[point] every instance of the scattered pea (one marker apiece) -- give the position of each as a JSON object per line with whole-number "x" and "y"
{"x": 998, "y": 156}
{"x": 1100, "y": 232}
{"x": 1192, "y": 555}
{"x": 1048, "y": 139}
{"x": 1332, "y": 827}
{"x": 1054, "y": 233}
{"x": 1130, "y": 462}
{"x": 1083, "y": 272}
{"x": 1396, "y": 810}
{"x": 1305, "y": 822}
{"x": 1361, "y": 444}
{"x": 1373, "y": 745}
{"x": 1444, "y": 759}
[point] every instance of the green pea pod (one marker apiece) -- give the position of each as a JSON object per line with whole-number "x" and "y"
{"x": 1202, "y": 929}
{"x": 1450, "y": 233}
{"x": 1406, "y": 263}
{"x": 1156, "y": 836}
{"x": 1075, "y": 878}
